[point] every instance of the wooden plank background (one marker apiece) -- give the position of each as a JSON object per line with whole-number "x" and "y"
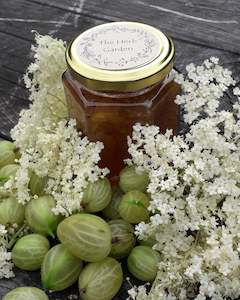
{"x": 200, "y": 29}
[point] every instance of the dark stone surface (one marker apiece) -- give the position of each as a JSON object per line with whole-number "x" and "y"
{"x": 200, "y": 28}
{"x": 24, "y": 278}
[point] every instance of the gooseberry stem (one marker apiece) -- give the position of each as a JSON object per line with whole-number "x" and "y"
{"x": 51, "y": 234}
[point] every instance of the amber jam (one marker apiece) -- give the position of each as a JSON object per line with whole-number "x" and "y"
{"x": 120, "y": 74}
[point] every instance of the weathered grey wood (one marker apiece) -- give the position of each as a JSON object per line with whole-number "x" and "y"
{"x": 42, "y": 18}
{"x": 200, "y": 28}
{"x": 210, "y": 23}
{"x": 17, "y": 20}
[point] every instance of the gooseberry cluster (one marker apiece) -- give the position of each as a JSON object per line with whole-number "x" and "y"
{"x": 85, "y": 246}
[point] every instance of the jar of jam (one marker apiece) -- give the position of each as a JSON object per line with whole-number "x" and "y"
{"x": 119, "y": 74}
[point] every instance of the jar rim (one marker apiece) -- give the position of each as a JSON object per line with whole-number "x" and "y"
{"x": 153, "y": 60}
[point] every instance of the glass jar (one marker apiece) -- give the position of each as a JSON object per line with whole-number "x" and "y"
{"x": 120, "y": 74}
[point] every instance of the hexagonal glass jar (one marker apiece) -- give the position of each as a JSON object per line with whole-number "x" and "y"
{"x": 119, "y": 74}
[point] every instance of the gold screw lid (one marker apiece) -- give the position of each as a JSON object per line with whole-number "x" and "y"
{"x": 120, "y": 56}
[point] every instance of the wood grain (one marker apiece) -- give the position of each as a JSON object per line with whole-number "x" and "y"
{"x": 211, "y": 23}
{"x": 200, "y": 28}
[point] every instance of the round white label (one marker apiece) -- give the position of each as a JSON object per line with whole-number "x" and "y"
{"x": 118, "y": 47}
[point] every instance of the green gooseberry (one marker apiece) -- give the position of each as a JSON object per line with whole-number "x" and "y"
{"x": 3, "y": 192}
{"x": 143, "y": 262}
{"x": 100, "y": 280}
{"x": 86, "y": 236}
{"x": 29, "y": 251}
{"x": 7, "y": 145}
{"x": 150, "y": 241}
{"x": 37, "y": 184}
{"x": 11, "y": 211}
{"x": 8, "y": 171}
{"x": 60, "y": 269}
{"x": 134, "y": 207}
{"x": 7, "y": 155}
{"x": 26, "y": 293}
{"x": 111, "y": 211}
{"x": 97, "y": 195}
{"x": 131, "y": 180}
{"x": 40, "y": 217}
{"x": 17, "y": 153}
{"x": 123, "y": 239}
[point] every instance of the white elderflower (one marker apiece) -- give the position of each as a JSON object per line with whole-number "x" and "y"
{"x": 46, "y": 92}
{"x": 194, "y": 189}
{"x": 49, "y": 142}
{"x": 5, "y": 256}
{"x": 8, "y": 236}
{"x": 75, "y": 167}
{"x": 202, "y": 89}
{"x": 67, "y": 159}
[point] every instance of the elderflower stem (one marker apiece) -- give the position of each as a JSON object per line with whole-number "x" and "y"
{"x": 15, "y": 237}
{"x": 58, "y": 98}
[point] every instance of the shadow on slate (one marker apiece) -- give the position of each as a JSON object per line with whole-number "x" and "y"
{"x": 25, "y": 278}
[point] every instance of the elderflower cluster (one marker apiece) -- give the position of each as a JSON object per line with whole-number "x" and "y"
{"x": 49, "y": 142}
{"x": 43, "y": 79}
{"x": 195, "y": 191}
{"x": 5, "y": 256}
{"x": 203, "y": 88}
{"x": 67, "y": 159}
